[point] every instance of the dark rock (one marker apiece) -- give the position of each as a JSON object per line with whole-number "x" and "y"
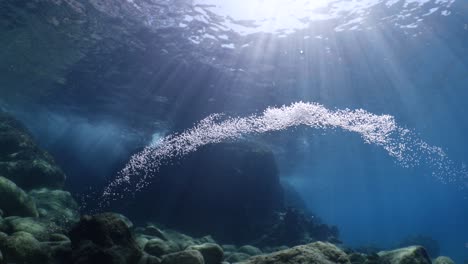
{"x": 56, "y": 206}
{"x": 158, "y": 247}
{"x": 443, "y": 260}
{"x": 250, "y": 250}
{"x": 22, "y": 247}
{"x": 15, "y": 201}
{"x": 212, "y": 253}
{"x": 293, "y": 227}
{"x": 229, "y": 190}
{"x": 237, "y": 257}
{"x": 428, "y": 243}
{"x": 103, "y": 238}
{"x": 408, "y": 255}
{"x": 154, "y": 231}
{"x": 148, "y": 259}
{"x": 22, "y": 161}
{"x": 184, "y": 257}
{"x": 317, "y": 253}
{"x": 39, "y": 228}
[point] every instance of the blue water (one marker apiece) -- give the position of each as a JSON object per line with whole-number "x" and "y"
{"x": 119, "y": 95}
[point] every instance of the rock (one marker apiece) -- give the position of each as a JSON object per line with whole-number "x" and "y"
{"x": 359, "y": 258}
{"x": 234, "y": 170}
{"x": 103, "y": 238}
{"x": 295, "y": 227}
{"x": 182, "y": 241}
{"x": 148, "y": 259}
{"x": 443, "y": 260}
{"x": 15, "y": 201}
{"x": 229, "y": 248}
{"x": 428, "y": 243}
{"x": 154, "y": 231}
{"x": 1, "y": 257}
{"x": 22, "y": 161}
{"x": 183, "y": 257}
{"x": 212, "y": 253}
{"x": 408, "y": 255}
{"x": 39, "y": 228}
{"x": 158, "y": 247}
{"x": 237, "y": 257}
{"x": 22, "y": 247}
{"x": 56, "y": 205}
{"x": 317, "y": 253}
{"x": 59, "y": 238}
{"x": 141, "y": 241}
{"x": 250, "y": 250}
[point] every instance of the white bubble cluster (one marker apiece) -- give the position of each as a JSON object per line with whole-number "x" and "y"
{"x": 380, "y": 130}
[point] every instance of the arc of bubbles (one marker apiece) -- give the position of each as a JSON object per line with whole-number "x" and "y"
{"x": 381, "y": 130}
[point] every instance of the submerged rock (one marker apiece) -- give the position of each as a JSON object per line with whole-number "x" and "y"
{"x": 443, "y": 260}
{"x": 215, "y": 190}
{"x": 103, "y": 238}
{"x": 236, "y": 257}
{"x": 317, "y": 253}
{"x": 212, "y": 253}
{"x": 158, "y": 247}
{"x": 428, "y": 243}
{"x": 184, "y": 257}
{"x": 56, "y": 205}
{"x": 250, "y": 250}
{"x": 408, "y": 255}
{"x": 22, "y": 247}
{"x": 14, "y": 201}
{"x": 22, "y": 161}
{"x": 39, "y": 228}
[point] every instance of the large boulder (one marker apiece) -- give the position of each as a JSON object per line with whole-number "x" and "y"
{"x": 184, "y": 257}
{"x": 14, "y": 201}
{"x": 22, "y": 161}
{"x": 212, "y": 253}
{"x": 103, "y": 238}
{"x": 228, "y": 190}
{"x": 443, "y": 260}
{"x": 408, "y": 255}
{"x": 428, "y": 243}
{"x": 37, "y": 227}
{"x": 56, "y": 205}
{"x": 22, "y": 247}
{"x": 317, "y": 253}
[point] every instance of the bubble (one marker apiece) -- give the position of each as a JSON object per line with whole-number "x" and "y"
{"x": 402, "y": 144}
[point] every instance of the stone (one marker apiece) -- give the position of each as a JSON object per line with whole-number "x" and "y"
{"x": 212, "y": 253}
{"x": 22, "y": 247}
{"x": 250, "y": 250}
{"x": 317, "y": 253}
{"x": 154, "y": 231}
{"x": 149, "y": 259}
{"x": 407, "y": 255}
{"x": 158, "y": 247}
{"x": 56, "y": 205}
{"x": 229, "y": 248}
{"x": 22, "y": 161}
{"x": 183, "y": 257}
{"x": 103, "y": 238}
{"x": 428, "y": 243}
{"x": 15, "y": 201}
{"x": 237, "y": 257}
{"x": 443, "y": 260}
{"x": 39, "y": 228}
{"x": 59, "y": 238}
{"x": 141, "y": 241}
{"x": 234, "y": 170}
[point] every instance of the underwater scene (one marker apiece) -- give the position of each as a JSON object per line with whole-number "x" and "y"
{"x": 234, "y": 131}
